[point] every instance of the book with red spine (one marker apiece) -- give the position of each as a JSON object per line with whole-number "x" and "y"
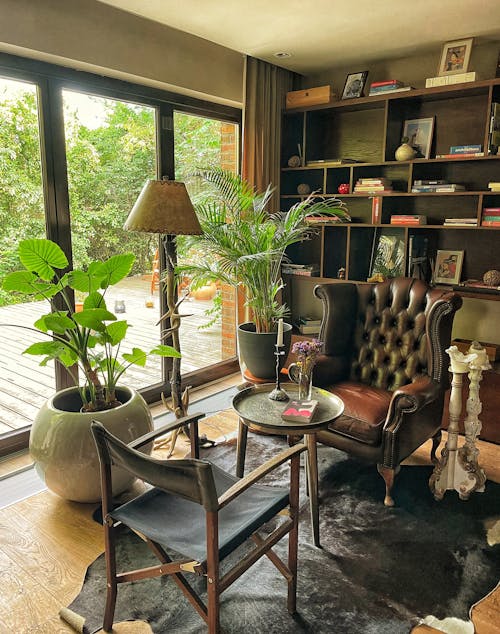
{"x": 490, "y": 223}
{"x": 464, "y": 155}
{"x": 376, "y": 206}
{"x": 387, "y": 82}
{"x": 299, "y": 411}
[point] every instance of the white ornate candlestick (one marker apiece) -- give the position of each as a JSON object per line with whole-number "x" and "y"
{"x": 449, "y": 473}
{"x": 469, "y": 453}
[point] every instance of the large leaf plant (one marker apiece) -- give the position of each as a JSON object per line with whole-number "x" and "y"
{"x": 244, "y": 245}
{"x": 90, "y": 338}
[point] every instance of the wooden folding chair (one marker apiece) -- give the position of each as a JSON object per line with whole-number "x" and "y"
{"x": 200, "y": 511}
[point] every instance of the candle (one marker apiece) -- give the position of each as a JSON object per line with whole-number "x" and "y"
{"x": 279, "y": 341}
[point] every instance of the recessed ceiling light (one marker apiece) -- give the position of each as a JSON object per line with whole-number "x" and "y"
{"x": 282, "y": 54}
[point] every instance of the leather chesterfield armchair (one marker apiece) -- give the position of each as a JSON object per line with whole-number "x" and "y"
{"x": 384, "y": 355}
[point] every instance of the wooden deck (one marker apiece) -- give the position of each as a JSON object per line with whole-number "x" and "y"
{"x": 24, "y": 385}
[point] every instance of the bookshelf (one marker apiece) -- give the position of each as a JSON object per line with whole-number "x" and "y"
{"x": 369, "y": 129}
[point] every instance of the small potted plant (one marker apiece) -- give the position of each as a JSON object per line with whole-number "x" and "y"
{"x": 60, "y": 441}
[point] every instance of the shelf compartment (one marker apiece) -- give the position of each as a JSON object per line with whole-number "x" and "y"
{"x": 474, "y": 176}
{"x": 363, "y": 245}
{"x": 292, "y": 134}
{"x": 398, "y": 173}
{"x": 343, "y": 133}
{"x": 335, "y": 250}
{"x": 431, "y": 206}
{"x": 290, "y": 180}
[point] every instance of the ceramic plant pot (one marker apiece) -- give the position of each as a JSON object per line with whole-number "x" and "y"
{"x": 256, "y": 350}
{"x": 62, "y": 445}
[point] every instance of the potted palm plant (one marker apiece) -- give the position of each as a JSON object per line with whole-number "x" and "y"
{"x": 60, "y": 441}
{"x": 244, "y": 246}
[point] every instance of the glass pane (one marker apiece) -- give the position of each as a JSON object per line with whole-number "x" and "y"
{"x": 208, "y": 333}
{"x": 24, "y": 385}
{"x": 111, "y": 152}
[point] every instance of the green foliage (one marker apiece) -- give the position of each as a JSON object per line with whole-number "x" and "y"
{"x": 243, "y": 245}
{"x": 91, "y": 338}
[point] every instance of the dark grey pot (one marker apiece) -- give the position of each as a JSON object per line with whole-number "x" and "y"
{"x": 256, "y": 350}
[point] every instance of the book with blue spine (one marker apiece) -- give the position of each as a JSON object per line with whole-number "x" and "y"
{"x": 465, "y": 149}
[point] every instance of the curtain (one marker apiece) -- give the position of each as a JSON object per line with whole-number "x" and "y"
{"x": 266, "y": 86}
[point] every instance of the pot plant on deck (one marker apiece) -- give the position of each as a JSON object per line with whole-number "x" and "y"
{"x": 61, "y": 443}
{"x": 244, "y": 246}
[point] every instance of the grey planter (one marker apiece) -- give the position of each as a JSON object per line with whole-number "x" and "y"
{"x": 256, "y": 350}
{"x": 62, "y": 446}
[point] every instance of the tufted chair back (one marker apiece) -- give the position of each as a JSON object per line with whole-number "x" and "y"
{"x": 385, "y": 356}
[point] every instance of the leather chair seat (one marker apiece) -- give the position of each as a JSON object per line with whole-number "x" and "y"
{"x": 365, "y": 411}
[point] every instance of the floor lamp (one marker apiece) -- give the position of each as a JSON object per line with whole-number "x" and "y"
{"x": 164, "y": 207}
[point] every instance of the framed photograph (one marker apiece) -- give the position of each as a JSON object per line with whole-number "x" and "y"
{"x": 455, "y": 57}
{"x": 448, "y": 268}
{"x": 354, "y": 85}
{"x": 419, "y": 133}
{"x": 388, "y": 255}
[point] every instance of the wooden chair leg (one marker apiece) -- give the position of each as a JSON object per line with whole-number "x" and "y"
{"x": 109, "y": 610}
{"x": 436, "y": 441}
{"x": 293, "y": 536}
{"x": 388, "y": 475}
{"x": 213, "y": 589}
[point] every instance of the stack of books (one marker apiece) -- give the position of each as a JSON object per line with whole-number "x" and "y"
{"x": 460, "y": 222}
{"x": 300, "y": 269}
{"x": 447, "y": 80}
{"x": 463, "y": 151}
{"x": 308, "y": 325}
{"x": 490, "y": 217}
{"x": 372, "y": 185}
{"x": 494, "y": 186}
{"x": 322, "y": 220}
{"x": 408, "y": 219}
{"x": 333, "y": 162}
{"x": 435, "y": 186}
{"x": 389, "y": 85}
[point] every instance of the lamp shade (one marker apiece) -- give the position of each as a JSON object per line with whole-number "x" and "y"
{"x": 164, "y": 207}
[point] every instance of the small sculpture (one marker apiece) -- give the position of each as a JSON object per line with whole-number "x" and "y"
{"x": 294, "y": 161}
{"x": 405, "y": 152}
{"x": 492, "y": 278}
{"x": 303, "y": 189}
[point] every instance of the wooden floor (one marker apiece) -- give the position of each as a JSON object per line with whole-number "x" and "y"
{"x": 25, "y": 385}
{"x": 46, "y": 545}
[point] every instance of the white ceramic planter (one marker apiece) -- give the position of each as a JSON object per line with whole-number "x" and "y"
{"x": 63, "y": 448}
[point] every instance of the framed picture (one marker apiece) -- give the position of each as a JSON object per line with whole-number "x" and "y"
{"x": 419, "y": 133}
{"x": 354, "y": 85}
{"x": 448, "y": 268}
{"x": 388, "y": 255}
{"x": 455, "y": 57}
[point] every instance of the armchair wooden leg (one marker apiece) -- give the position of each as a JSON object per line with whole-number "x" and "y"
{"x": 388, "y": 475}
{"x": 436, "y": 441}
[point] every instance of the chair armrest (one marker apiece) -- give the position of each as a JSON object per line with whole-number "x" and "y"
{"x": 257, "y": 474}
{"x": 411, "y": 398}
{"x": 164, "y": 429}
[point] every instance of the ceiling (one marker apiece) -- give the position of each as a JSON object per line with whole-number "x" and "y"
{"x": 322, "y": 34}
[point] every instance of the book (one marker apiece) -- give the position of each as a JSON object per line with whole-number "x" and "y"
{"x": 495, "y": 184}
{"x": 429, "y": 189}
{"x": 447, "y": 80}
{"x": 335, "y": 162}
{"x": 375, "y": 91}
{"x": 323, "y": 219}
{"x": 413, "y": 219}
{"x": 305, "y": 329}
{"x": 387, "y": 82}
{"x": 309, "y": 321}
{"x": 490, "y": 223}
{"x": 491, "y": 217}
{"x": 471, "y": 221}
{"x": 299, "y": 411}
{"x": 450, "y": 188}
{"x": 310, "y": 270}
{"x": 491, "y": 210}
{"x": 463, "y": 155}
{"x": 465, "y": 149}
{"x": 418, "y": 182}
{"x": 376, "y": 209}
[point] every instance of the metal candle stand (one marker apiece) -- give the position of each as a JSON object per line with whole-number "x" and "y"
{"x": 278, "y": 394}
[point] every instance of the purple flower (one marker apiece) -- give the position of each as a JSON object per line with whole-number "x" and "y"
{"x": 307, "y": 349}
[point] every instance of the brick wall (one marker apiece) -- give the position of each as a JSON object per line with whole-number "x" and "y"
{"x": 229, "y": 161}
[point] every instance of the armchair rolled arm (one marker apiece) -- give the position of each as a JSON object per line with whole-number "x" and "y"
{"x": 411, "y": 398}
{"x": 257, "y": 474}
{"x": 164, "y": 429}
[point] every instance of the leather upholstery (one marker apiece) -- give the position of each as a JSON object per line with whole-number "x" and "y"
{"x": 384, "y": 355}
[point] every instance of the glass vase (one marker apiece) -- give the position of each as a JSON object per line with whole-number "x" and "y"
{"x": 301, "y": 374}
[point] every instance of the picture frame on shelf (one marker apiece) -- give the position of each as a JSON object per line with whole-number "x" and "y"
{"x": 419, "y": 133}
{"x": 354, "y": 85}
{"x": 448, "y": 266}
{"x": 388, "y": 255}
{"x": 455, "y": 57}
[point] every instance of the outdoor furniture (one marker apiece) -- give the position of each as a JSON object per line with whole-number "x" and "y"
{"x": 200, "y": 512}
{"x": 259, "y": 413}
{"x": 384, "y": 356}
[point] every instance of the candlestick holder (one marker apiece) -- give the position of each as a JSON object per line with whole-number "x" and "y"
{"x": 278, "y": 394}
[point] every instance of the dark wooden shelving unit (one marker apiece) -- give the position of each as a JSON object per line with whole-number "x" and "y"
{"x": 369, "y": 130}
